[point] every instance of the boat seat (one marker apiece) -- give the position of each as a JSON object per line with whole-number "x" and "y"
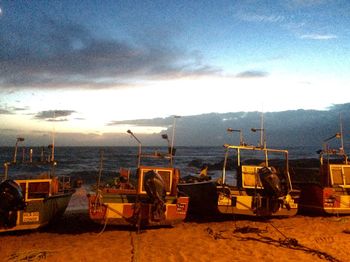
{"x": 124, "y": 172}
{"x": 345, "y": 187}
{"x": 54, "y": 185}
{"x": 340, "y": 175}
{"x": 250, "y": 177}
{"x": 347, "y": 175}
{"x": 120, "y": 191}
{"x": 34, "y": 189}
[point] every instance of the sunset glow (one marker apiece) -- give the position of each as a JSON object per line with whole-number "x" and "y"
{"x": 99, "y": 67}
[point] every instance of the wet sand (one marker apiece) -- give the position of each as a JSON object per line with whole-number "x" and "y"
{"x": 75, "y": 238}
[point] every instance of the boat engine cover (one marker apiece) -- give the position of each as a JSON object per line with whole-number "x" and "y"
{"x": 155, "y": 188}
{"x": 11, "y": 197}
{"x": 270, "y": 181}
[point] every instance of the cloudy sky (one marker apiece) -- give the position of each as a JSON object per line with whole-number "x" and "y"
{"x": 90, "y": 66}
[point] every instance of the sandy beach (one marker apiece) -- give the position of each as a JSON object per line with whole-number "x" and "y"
{"x": 75, "y": 238}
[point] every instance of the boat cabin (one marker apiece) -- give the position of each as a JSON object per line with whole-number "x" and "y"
{"x": 39, "y": 189}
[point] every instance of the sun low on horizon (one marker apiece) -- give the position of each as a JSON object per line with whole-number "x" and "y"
{"x": 90, "y": 68}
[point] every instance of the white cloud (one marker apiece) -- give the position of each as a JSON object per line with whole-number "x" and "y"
{"x": 305, "y": 3}
{"x": 261, "y": 18}
{"x": 318, "y": 36}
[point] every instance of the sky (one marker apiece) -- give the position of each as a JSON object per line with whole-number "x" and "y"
{"x": 87, "y": 67}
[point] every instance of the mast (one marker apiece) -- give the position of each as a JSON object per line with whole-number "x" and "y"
{"x": 53, "y": 139}
{"x": 19, "y": 139}
{"x": 262, "y": 137}
{"x": 99, "y": 173}
{"x": 140, "y": 147}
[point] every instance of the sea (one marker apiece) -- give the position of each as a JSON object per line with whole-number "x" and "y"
{"x": 87, "y": 163}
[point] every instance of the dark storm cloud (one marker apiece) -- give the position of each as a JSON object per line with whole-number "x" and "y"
{"x": 62, "y": 54}
{"x": 340, "y": 107}
{"x": 4, "y": 111}
{"x": 252, "y": 74}
{"x": 16, "y": 109}
{"x": 144, "y": 122}
{"x": 210, "y": 129}
{"x": 11, "y": 110}
{"x": 54, "y": 115}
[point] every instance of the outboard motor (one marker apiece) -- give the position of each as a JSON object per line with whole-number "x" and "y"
{"x": 155, "y": 188}
{"x": 272, "y": 192}
{"x": 11, "y": 200}
{"x": 270, "y": 181}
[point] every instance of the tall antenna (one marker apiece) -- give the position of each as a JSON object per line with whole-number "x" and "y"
{"x": 262, "y": 133}
{"x": 341, "y": 132}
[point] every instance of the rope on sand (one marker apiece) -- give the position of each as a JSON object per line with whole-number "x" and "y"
{"x": 106, "y": 218}
{"x": 337, "y": 219}
{"x": 293, "y": 243}
{"x": 248, "y": 229}
{"x": 104, "y": 227}
{"x": 133, "y": 242}
{"x": 31, "y": 255}
{"x": 134, "y": 247}
{"x": 286, "y": 242}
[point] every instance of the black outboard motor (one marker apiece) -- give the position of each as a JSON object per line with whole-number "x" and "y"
{"x": 270, "y": 181}
{"x": 270, "y": 203}
{"x": 155, "y": 188}
{"x": 11, "y": 200}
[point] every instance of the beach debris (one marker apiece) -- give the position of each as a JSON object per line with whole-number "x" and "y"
{"x": 215, "y": 235}
{"x": 346, "y": 231}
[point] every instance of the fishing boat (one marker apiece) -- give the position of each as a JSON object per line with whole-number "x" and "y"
{"x": 31, "y": 195}
{"x": 249, "y": 185}
{"x": 330, "y": 194}
{"x": 147, "y": 197}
